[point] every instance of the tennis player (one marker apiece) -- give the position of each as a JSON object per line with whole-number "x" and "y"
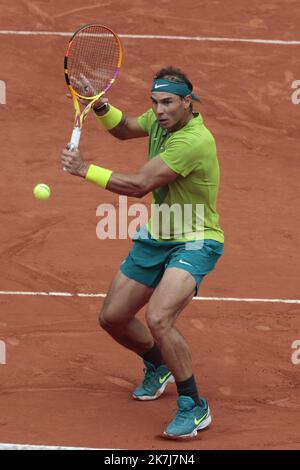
{"x": 162, "y": 270}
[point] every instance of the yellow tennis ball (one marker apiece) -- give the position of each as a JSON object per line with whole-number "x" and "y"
{"x": 42, "y": 191}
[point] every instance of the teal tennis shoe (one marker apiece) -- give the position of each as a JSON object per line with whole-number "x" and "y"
{"x": 190, "y": 418}
{"x": 154, "y": 383}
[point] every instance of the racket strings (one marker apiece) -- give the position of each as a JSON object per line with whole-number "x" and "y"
{"x": 93, "y": 60}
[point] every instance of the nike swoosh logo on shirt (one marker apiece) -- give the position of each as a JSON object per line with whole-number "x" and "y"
{"x": 164, "y": 378}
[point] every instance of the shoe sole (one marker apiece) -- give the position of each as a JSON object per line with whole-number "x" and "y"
{"x": 191, "y": 435}
{"x": 159, "y": 392}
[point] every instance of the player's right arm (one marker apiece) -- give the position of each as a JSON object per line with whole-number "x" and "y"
{"x": 128, "y": 128}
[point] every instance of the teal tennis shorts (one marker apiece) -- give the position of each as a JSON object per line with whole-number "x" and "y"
{"x": 149, "y": 258}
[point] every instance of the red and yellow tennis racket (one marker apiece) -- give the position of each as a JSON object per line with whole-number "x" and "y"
{"x": 92, "y": 63}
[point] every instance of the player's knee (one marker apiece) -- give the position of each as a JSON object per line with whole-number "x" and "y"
{"x": 158, "y": 323}
{"x": 111, "y": 319}
{"x": 106, "y": 320}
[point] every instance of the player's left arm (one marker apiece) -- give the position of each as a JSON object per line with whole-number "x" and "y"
{"x": 154, "y": 174}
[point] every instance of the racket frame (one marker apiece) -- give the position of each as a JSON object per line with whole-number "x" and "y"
{"x": 80, "y": 116}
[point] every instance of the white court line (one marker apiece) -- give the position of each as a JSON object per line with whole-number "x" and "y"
{"x": 167, "y": 38}
{"x": 32, "y": 447}
{"x": 216, "y": 299}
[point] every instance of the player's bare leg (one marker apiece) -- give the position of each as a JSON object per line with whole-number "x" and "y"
{"x": 171, "y": 296}
{"x": 124, "y": 299}
{"x": 174, "y": 292}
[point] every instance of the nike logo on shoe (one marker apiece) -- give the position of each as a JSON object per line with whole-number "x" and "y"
{"x": 198, "y": 421}
{"x": 164, "y": 378}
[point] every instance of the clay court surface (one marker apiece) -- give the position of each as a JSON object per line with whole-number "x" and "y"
{"x": 66, "y": 382}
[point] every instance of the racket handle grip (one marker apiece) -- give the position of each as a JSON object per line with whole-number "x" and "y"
{"x": 74, "y": 142}
{"x": 75, "y": 139}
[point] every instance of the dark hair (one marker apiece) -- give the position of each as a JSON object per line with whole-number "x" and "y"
{"x": 174, "y": 75}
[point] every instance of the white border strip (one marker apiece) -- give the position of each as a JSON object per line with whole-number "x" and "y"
{"x": 216, "y": 299}
{"x": 167, "y": 38}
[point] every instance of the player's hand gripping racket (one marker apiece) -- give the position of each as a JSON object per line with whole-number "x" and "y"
{"x": 92, "y": 63}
